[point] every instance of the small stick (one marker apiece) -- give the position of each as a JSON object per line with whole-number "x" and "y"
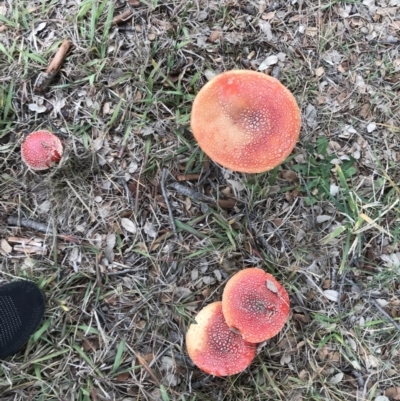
{"x": 30, "y": 249}
{"x": 128, "y": 194}
{"x": 164, "y": 194}
{"x": 188, "y": 177}
{"x": 384, "y": 313}
{"x": 123, "y": 17}
{"x": 260, "y": 238}
{"x": 40, "y": 227}
{"x": 191, "y": 193}
{"x": 23, "y": 241}
{"x": 34, "y": 225}
{"x": 59, "y": 57}
{"x": 375, "y": 303}
{"x": 98, "y": 272}
{"x": 252, "y": 231}
{"x": 44, "y": 78}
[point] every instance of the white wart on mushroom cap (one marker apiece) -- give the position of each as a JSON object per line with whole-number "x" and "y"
{"x": 213, "y": 347}
{"x": 246, "y": 121}
{"x": 41, "y": 150}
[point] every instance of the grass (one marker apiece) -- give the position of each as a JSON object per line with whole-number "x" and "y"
{"x": 119, "y": 302}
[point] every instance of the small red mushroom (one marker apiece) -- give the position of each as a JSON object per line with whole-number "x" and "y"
{"x": 255, "y": 304}
{"x": 246, "y": 121}
{"x": 41, "y": 150}
{"x": 213, "y": 347}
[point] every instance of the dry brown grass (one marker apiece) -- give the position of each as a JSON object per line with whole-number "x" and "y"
{"x": 121, "y": 288}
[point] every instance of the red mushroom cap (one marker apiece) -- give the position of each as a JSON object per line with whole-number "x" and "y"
{"x": 41, "y": 150}
{"x": 246, "y": 121}
{"x": 213, "y": 347}
{"x": 255, "y": 304}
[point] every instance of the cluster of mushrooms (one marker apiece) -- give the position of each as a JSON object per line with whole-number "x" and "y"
{"x": 248, "y": 122}
{"x": 254, "y": 308}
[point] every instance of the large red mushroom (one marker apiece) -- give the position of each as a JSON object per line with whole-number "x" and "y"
{"x": 41, "y": 150}
{"x": 255, "y": 305}
{"x": 246, "y": 121}
{"x": 213, "y": 347}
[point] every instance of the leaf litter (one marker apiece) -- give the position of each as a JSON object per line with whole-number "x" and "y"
{"x": 111, "y": 106}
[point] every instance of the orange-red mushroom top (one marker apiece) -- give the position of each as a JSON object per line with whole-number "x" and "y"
{"x": 246, "y": 121}
{"x": 255, "y": 304}
{"x": 213, "y": 347}
{"x": 41, "y": 150}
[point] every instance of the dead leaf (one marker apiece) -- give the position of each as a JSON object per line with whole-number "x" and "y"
{"x": 393, "y": 392}
{"x": 323, "y": 218}
{"x": 336, "y": 378}
{"x": 38, "y": 108}
{"x": 129, "y": 225}
{"x": 266, "y": 28}
{"x": 371, "y": 127}
{"x": 108, "y": 250}
{"x": 90, "y": 344}
{"x": 332, "y": 295}
{"x": 123, "y": 377}
{"x": 311, "y": 31}
{"x": 215, "y": 35}
{"x": 365, "y": 110}
{"x": 285, "y": 359}
{"x": 150, "y": 229}
{"x": 226, "y": 203}
{"x": 268, "y": 16}
{"x": 5, "y": 246}
{"x": 301, "y": 318}
{"x": 311, "y": 116}
{"x": 326, "y": 284}
{"x": 234, "y": 38}
{"x": 209, "y": 74}
{"x": 167, "y": 363}
{"x": 236, "y": 185}
{"x": 387, "y": 11}
{"x": 290, "y": 176}
{"x": 270, "y": 60}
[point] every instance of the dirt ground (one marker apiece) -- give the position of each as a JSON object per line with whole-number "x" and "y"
{"x": 122, "y": 284}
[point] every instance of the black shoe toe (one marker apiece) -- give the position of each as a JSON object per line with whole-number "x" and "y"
{"x": 21, "y": 310}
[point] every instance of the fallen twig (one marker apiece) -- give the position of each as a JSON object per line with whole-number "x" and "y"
{"x": 28, "y": 223}
{"x": 28, "y": 249}
{"x": 261, "y": 239}
{"x": 188, "y": 177}
{"x": 191, "y": 193}
{"x": 384, "y": 313}
{"x": 123, "y": 17}
{"x": 258, "y": 238}
{"x": 39, "y": 227}
{"x": 44, "y": 78}
{"x": 371, "y": 300}
{"x": 165, "y": 195}
{"x": 132, "y": 201}
{"x": 25, "y": 245}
